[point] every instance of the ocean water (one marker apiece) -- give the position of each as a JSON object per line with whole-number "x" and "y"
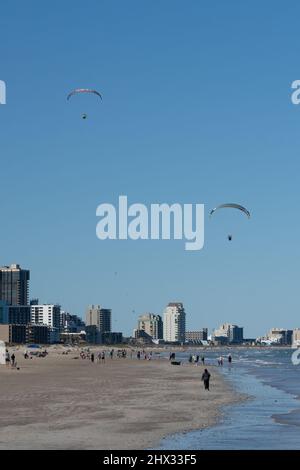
{"x": 270, "y": 419}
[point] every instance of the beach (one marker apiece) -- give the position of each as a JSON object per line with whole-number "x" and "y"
{"x": 65, "y": 402}
{"x": 268, "y": 420}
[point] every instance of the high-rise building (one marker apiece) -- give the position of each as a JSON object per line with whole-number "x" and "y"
{"x": 105, "y": 320}
{"x": 236, "y": 334}
{"x": 100, "y": 317}
{"x": 151, "y": 324}
{"x": 228, "y": 333}
{"x": 14, "y": 284}
{"x": 174, "y": 322}
{"x": 46, "y": 315}
{"x": 92, "y": 315}
{"x": 281, "y": 336}
{"x": 3, "y": 312}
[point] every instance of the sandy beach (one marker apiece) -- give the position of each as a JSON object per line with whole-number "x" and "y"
{"x": 60, "y": 402}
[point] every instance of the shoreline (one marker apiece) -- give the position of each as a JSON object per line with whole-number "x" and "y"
{"x": 60, "y": 402}
{"x": 267, "y": 419}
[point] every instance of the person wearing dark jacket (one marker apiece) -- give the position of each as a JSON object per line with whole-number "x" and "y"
{"x": 205, "y": 378}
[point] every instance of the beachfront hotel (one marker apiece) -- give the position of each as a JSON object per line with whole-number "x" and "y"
{"x": 228, "y": 333}
{"x": 151, "y": 324}
{"x": 174, "y": 323}
{"x": 99, "y": 317}
{"x": 14, "y": 291}
{"x": 46, "y": 314}
{"x": 14, "y": 284}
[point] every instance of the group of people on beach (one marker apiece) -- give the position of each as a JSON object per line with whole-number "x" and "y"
{"x": 195, "y": 359}
{"x": 144, "y": 355}
{"x": 120, "y": 354}
{"x": 10, "y": 360}
{"x": 221, "y": 361}
{"x": 95, "y": 357}
{"x": 38, "y": 353}
{"x": 206, "y": 375}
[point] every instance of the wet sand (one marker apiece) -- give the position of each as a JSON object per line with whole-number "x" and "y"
{"x": 60, "y": 402}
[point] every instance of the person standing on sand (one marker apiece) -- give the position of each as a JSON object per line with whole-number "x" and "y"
{"x": 229, "y": 359}
{"x": 205, "y": 378}
{"x": 203, "y": 360}
{"x": 92, "y": 357}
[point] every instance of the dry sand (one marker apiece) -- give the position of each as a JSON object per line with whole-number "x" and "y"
{"x": 59, "y": 402}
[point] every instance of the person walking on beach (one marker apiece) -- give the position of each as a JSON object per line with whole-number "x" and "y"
{"x": 12, "y": 359}
{"x": 172, "y": 357}
{"x": 229, "y": 359}
{"x": 7, "y": 358}
{"x": 103, "y": 356}
{"x": 203, "y": 360}
{"x": 92, "y": 357}
{"x": 205, "y": 378}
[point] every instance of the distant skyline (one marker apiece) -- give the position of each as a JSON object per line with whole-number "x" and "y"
{"x": 196, "y": 109}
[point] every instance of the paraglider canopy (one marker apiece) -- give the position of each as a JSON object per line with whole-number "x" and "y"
{"x": 83, "y": 90}
{"x": 232, "y": 206}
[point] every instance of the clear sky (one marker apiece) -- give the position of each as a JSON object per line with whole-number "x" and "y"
{"x": 196, "y": 109}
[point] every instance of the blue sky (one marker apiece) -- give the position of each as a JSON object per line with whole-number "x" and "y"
{"x": 196, "y": 109}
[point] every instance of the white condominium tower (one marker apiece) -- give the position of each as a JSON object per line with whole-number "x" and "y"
{"x": 46, "y": 315}
{"x": 174, "y": 322}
